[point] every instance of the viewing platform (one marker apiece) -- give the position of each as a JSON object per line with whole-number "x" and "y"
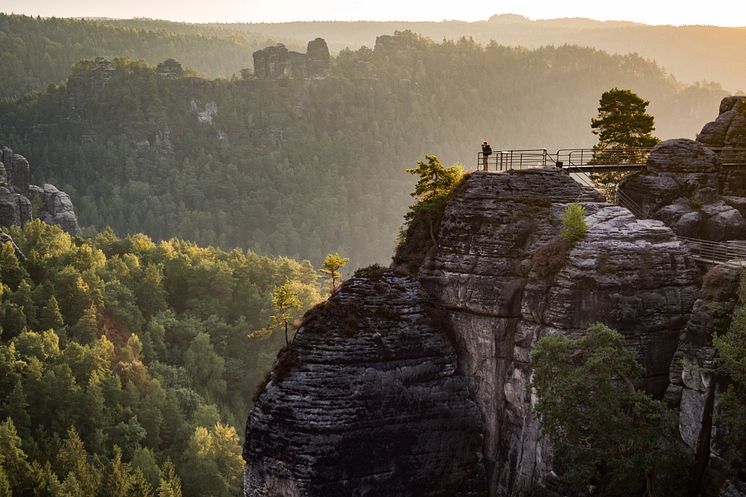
{"x": 583, "y": 163}
{"x": 589, "y": 160}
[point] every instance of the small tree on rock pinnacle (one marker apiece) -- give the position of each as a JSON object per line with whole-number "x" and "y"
{"x": 333, "y": 262}
{"x": 285, "y": 299}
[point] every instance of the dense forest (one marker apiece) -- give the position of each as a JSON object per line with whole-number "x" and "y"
{"x": 127, "y": 366}
{"x": 690, "y": 53}
{"x": 303, "y": 167}
{"x": 37, "y": 52}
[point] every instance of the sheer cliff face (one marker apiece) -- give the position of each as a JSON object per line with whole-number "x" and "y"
{"x": 367, "y": 402}
{"x": 402, "y": 400}
{"x": 501, "y": 274}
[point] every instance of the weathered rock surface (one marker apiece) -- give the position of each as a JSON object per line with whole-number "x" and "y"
{"x": 503, "y": 278}
{"x": 683, "y": 187}
{"x": 734, "y": 489}
{"x": 367, "y": 402}
{"x": 277, "y": 62}
{"x": 55, "y": 207}
{"x": 729, "y": 129}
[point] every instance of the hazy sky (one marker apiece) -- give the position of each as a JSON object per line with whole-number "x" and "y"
{"x": 717, "y": 12}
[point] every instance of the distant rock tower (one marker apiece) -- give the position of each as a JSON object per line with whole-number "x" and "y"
{"x": 170, "y": 69}
{"x": 318, "y": 62}
{"x": 277, "y": 62}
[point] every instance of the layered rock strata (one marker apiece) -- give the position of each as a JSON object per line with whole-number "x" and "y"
{"x": 504, "y": 279}
{"x": 367, "y": 402}
{"x": 698, "y": 188}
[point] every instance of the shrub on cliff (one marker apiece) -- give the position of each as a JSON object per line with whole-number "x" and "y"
{"x": 732, "y": 365}
{"x": 606, "y": 434}
{"x": 422, "y": 221}
{"x": 574, "y": 226}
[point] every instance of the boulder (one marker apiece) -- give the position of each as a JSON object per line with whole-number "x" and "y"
{"x": 682, "y": 156}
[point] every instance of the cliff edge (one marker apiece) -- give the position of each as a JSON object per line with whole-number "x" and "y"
{"x": 419, "y": 385}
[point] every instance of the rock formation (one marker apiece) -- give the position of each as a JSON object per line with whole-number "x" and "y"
{"x": 170, "y": 69}
{"x": 688, "y": 184}
{"x": 55, "y": 207}
{"x": 277, "y": 62}
{"x": 504, "y": 280}
{"x": 367, "y": 401}
{"x": 17, "y": 197}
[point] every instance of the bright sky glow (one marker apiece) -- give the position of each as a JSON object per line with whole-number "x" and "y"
{"x": 676, "y": 12}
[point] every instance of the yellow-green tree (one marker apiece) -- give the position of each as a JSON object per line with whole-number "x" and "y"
{"x": 333, "y": 262}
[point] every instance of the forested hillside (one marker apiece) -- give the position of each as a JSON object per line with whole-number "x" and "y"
{"x": 121, "y": 359}
{"x": 36, "y": 52}
{"x": 305, "y": 167}
{"x": 690, "y": 53}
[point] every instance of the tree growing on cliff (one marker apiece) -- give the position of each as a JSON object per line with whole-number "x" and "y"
{"x": 333, "y": 262}
{"x": 732, "y": 365}
{"x": 431, "y": 191}
{"x": 285, "y": 300}
{"x": 606, "y": 434}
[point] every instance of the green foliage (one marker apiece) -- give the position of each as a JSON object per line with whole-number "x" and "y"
{"x": 731, "y": 364}
{"x": 622, "y": 121}
{"x": 574, "y": 226}
{"x": 146, "y": 341}
{"x": 333, "y": 262}
{"x": 435, "y": 183}
{"x": 605, "y": 433}
{"x": 285, "y": 300}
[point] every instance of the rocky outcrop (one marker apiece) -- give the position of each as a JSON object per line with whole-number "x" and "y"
{"x": 367, "y": 402}
{"x": 692, "y": 186}
{"x": 17, "y": 197}
{"x": 504, "y": 280}
{"x": 55, "y": 207}
{"x": 318, "y": 62}
{"x": 277, "y": 62}
{"x": 170, "y": 69}
{"x": 729, "y": 129}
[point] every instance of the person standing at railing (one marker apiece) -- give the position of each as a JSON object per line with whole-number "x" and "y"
{"x": 486, "y": 152}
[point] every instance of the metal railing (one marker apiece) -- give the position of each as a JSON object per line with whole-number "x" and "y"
{"x": 731, "y": 252}
{"x": 589, "y": 159}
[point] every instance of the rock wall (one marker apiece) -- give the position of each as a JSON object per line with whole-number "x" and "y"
{"x": 17, "y": 197}
{"x": 367, "y": 402}
{"x": 503, "y": 280}
{"x": 500, "y": 272}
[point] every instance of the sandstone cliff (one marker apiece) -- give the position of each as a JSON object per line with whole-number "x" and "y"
{"x": 503, "y": 280}
{"x": 18, "y": 197}
{"x": 690, "y": 186}
{"x": 367, "y": 401}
